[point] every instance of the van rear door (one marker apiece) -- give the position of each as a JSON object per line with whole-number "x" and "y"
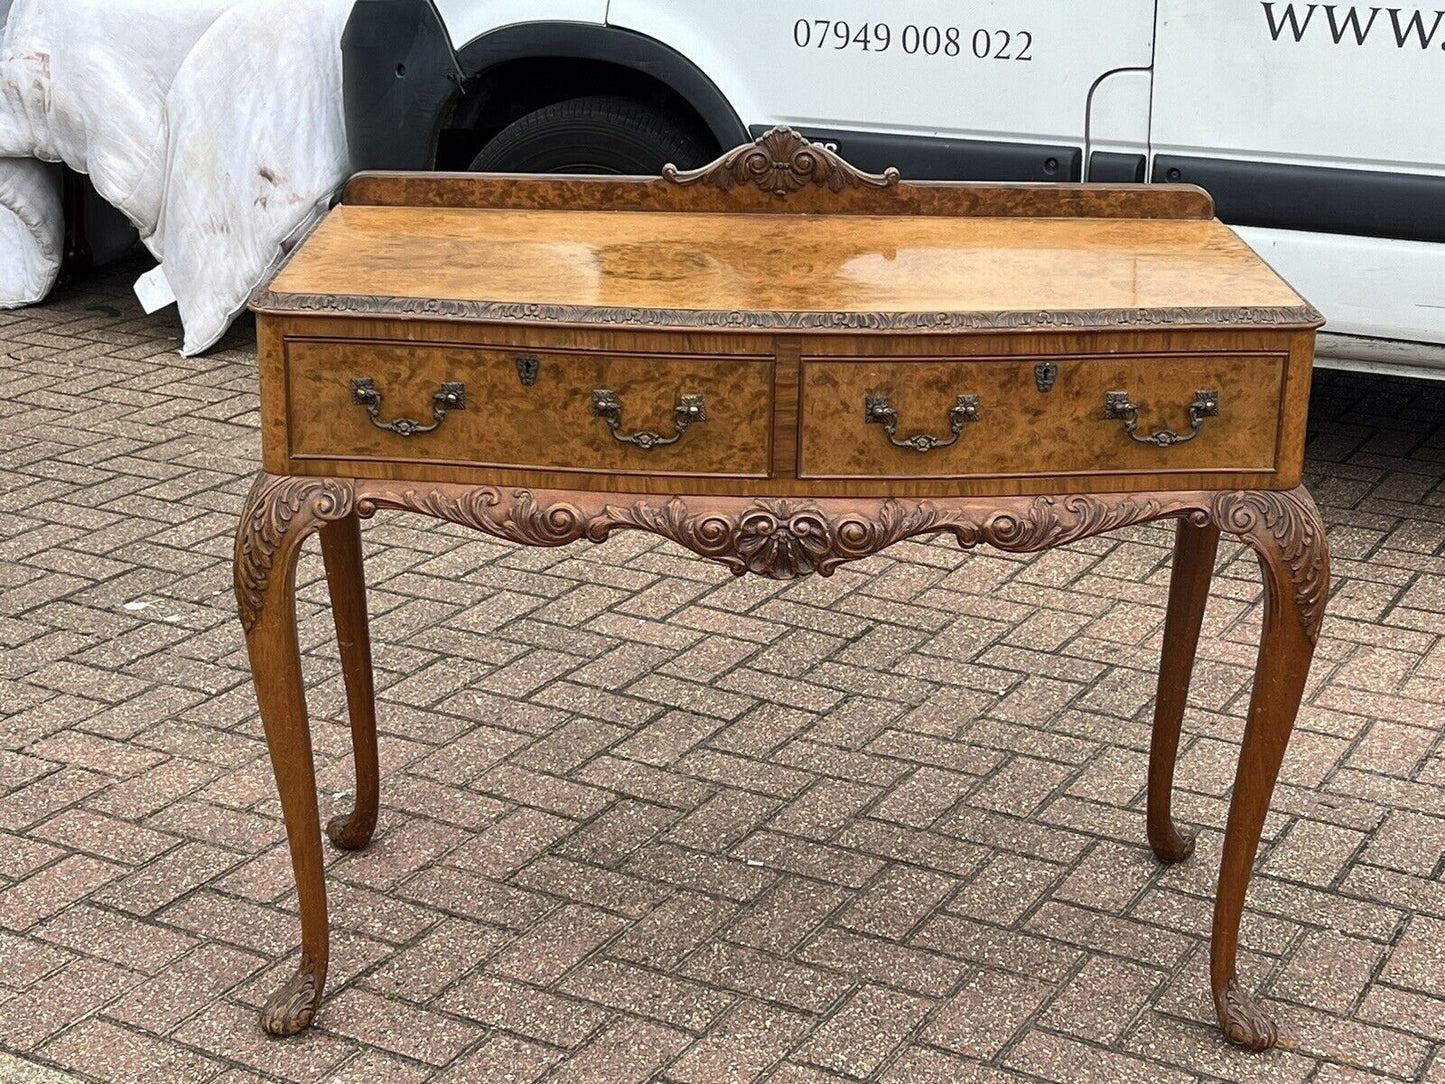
{"x": 1320, "y": 130}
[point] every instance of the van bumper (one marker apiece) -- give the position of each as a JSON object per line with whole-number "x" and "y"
{"x": 399, "y": 79}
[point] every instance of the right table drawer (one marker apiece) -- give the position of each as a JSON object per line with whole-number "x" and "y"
{"x": 865, "y": 417}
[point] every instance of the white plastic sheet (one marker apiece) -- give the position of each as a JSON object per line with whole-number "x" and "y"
{"x": 31, "y": 230}
{"x": 215, "y": 126}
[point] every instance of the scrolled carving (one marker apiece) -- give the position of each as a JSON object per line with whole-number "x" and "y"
{"x": 859, "y": 534}
{"x": 280, "y": 512}
{"x": 1286, "y": 528}
{"x": 536, "y": 523}
{"x": 1052, "y": 521}
{"x": 776, "y": 537}
{"x": 783, "y": 539}
{"x": 471, "y": 506}
{"x": 519, "y": 518}
{"x": 781, "y": 161}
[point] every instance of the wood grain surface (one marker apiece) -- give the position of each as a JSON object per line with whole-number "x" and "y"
{"x": 548, "y": 425}
{"x": 1022, "y": 430}
{"x": 546, "y": 436}
{"x": 670, "y": 269}
{"x": 388, "y": 188}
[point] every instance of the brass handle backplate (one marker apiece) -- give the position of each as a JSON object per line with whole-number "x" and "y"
{"x": 877, "y": 410}
{"x": 689, "y": 409}
{"x": 452, "y": 395}
{"x": 1118, "y": 405}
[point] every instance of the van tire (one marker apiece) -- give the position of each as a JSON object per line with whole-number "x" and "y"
{"x": 592, "y": 135}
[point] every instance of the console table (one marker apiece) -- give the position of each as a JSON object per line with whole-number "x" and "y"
{"x": 782, "y": 364}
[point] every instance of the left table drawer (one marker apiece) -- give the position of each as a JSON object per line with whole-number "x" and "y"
{"x": 519, "y": 408}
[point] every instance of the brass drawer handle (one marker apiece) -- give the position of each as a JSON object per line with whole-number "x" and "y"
{"x": 689, "y": 409}
{"x": 877, "y": 410}
{"x": 452, "y": 395}
{"x": 1205, "y": 405}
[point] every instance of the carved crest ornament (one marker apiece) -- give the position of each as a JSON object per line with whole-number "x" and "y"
{"x": 781, "y": 161}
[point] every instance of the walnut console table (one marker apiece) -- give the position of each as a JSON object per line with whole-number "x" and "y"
{"x": 783, "y": 365}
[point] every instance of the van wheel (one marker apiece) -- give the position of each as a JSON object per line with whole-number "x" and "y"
{"x": 592, "y": 135}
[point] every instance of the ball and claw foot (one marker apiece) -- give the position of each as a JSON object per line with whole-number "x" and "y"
{"x": 1174, "y": 847}
{"x": 350, "y": 831}
{"x": 291, "y": 1008}
{"x": 1244, "y": 1022}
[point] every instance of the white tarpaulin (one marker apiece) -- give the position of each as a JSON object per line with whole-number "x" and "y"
{"x": 31, "y": 230}
{"x": 215, "y": 126}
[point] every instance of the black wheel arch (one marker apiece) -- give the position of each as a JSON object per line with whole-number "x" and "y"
{"x": 515, "y": 69}
{"x": 413, "y": 101}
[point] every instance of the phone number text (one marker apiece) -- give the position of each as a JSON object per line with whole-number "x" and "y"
{"x": 981, "y": 44}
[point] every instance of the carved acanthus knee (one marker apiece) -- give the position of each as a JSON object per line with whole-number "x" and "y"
{"x": 1285, "y": 529}
{"x": 279, "y": 513}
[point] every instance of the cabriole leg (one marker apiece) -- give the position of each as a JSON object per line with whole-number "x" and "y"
{"x": 341, "y": 550}
{"x": 1285, "y": 531}
{"x": 279, "y": 514}
{"x": 1194, "y": 549}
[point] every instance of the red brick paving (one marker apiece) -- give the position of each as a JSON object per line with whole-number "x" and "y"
{"x": 643, "y": 822}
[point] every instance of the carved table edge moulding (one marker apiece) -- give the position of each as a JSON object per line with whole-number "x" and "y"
{"x": 736, "y": 320}
{"x": 783, "y": 537}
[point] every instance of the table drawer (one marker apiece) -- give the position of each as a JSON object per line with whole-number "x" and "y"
{"x": 546, "y": 409}
{"x": 1013, "y": 418}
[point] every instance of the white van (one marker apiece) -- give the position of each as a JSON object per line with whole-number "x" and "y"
{"x": 1319, "y": 128}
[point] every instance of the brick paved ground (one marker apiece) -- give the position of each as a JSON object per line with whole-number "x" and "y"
{"x": 641, "y": 821}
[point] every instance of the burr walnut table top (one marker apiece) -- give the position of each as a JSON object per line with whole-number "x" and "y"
{"x": 676, "y": 265}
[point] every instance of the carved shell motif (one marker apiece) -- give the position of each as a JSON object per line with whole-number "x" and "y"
{"x": 781, "y": 161}
{"x": 777, "y": 539}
